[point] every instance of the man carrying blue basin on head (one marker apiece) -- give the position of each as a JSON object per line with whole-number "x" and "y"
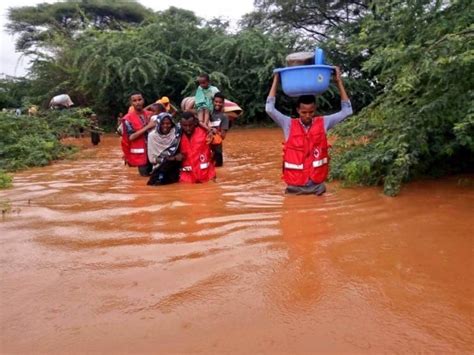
{"x": 305, "y": 152}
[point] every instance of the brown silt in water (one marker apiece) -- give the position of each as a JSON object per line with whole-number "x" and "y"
{"x": 94, "y": 260}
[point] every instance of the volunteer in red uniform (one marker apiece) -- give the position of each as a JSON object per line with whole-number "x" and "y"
{"x": 134, "y": 138}
{"x": 197, "y": 165}
{"x": 305, "y": 152}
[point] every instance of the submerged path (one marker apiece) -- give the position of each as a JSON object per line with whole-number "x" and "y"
{"x": 93, "y": 260}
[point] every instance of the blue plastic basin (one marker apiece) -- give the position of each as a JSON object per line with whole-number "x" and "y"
{"x": 305, "y": 79}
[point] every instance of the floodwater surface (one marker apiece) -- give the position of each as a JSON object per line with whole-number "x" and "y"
{"x": 93, "y": 260}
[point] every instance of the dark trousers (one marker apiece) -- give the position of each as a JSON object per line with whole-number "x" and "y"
{"x": 95, "y": 138}
{"x": 145, "y": 170}
{"x": 218, "y": 156}
{"x": 312, "y": 189}
{"x": 166, "y": 173}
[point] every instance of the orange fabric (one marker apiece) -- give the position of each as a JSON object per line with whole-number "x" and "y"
{"x": 216, "y": 139}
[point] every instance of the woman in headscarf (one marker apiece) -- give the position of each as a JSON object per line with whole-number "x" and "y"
{"x": 163, "y": 143}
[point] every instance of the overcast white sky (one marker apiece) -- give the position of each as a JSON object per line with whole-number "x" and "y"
{"x": 12, "y": 64}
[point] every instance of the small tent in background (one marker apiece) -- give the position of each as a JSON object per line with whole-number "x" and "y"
{"x": 61, "y": 101}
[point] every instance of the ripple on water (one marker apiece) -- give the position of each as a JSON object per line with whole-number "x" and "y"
{"x": 227, "y": 227}
{"x": 63, "y": 213}
{"x": 244, "y": 200}
{"x": 205, "y": 290}
{"x": 239, "y": 217}
{"x": 234, "y": 266}
{"x": 109, "y": 197}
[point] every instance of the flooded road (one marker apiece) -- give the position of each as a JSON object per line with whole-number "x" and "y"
{"x": 93, "y": 260}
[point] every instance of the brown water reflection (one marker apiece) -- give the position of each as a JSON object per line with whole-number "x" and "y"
{"x": 93, "y": 260}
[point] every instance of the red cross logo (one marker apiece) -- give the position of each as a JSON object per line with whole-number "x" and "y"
{"x": 316, "y": 153}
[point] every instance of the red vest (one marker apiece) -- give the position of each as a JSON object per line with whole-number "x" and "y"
{"x": 134, "y": 151}
{"x": 197, "y": 165}
{"x": 305, "y": 154}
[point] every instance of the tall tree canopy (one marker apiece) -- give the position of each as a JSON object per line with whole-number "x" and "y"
{"x": 308, "y": 17}
{"x": 43, "y": 25}
{"x": 173, "y": 51}
{"x": 162, "y": 56}
{"x": 422, "y": 121}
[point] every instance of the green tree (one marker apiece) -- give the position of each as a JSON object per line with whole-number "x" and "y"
{"x": 239, "y": 64}
{"x": 49, "y": 34}
{"x": 306, "y": 17}
{"x": 35, "y": 141}
{"x": 42, "y": 26}
{"x": 422, "y": 122}
{"x": 13, "y": 92}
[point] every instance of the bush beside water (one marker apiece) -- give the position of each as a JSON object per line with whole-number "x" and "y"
{"x": 29, "y": 141}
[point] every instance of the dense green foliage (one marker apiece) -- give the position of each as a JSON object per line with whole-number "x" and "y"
{"x": 163, "y": 56}
{"x": 315, "y": 18}
{"x": 5, "y": 180}
{"x": 13, "y": 92}
{"x": 422, "y": 121}
{"x": 49, "y": 34}
{"x": 35, "y": 141}
{"x": 240, "y": 65}
{"x": 46, "y": 25}
{"x": 407, "y": 65}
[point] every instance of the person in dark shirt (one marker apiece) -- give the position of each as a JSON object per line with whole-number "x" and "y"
{"x": 219, "y": 123}
{"x": 94, "y": 129}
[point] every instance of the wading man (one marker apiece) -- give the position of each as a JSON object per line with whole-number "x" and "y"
{"x": 134, "y": 138}
{"x": 197, "y": 165}
{"x": 305, "y": 152}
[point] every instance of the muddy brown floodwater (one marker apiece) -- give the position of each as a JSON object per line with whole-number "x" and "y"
{"x": 93, "y": 260}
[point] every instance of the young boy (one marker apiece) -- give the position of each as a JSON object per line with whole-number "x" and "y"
{"x": 219, "y": 126}
{"x": 203, "y": 99}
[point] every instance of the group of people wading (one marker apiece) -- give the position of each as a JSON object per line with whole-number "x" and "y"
{"x": 189, "y": 150}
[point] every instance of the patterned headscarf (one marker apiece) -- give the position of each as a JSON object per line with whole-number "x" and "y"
{"x": 162, "y": 145}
